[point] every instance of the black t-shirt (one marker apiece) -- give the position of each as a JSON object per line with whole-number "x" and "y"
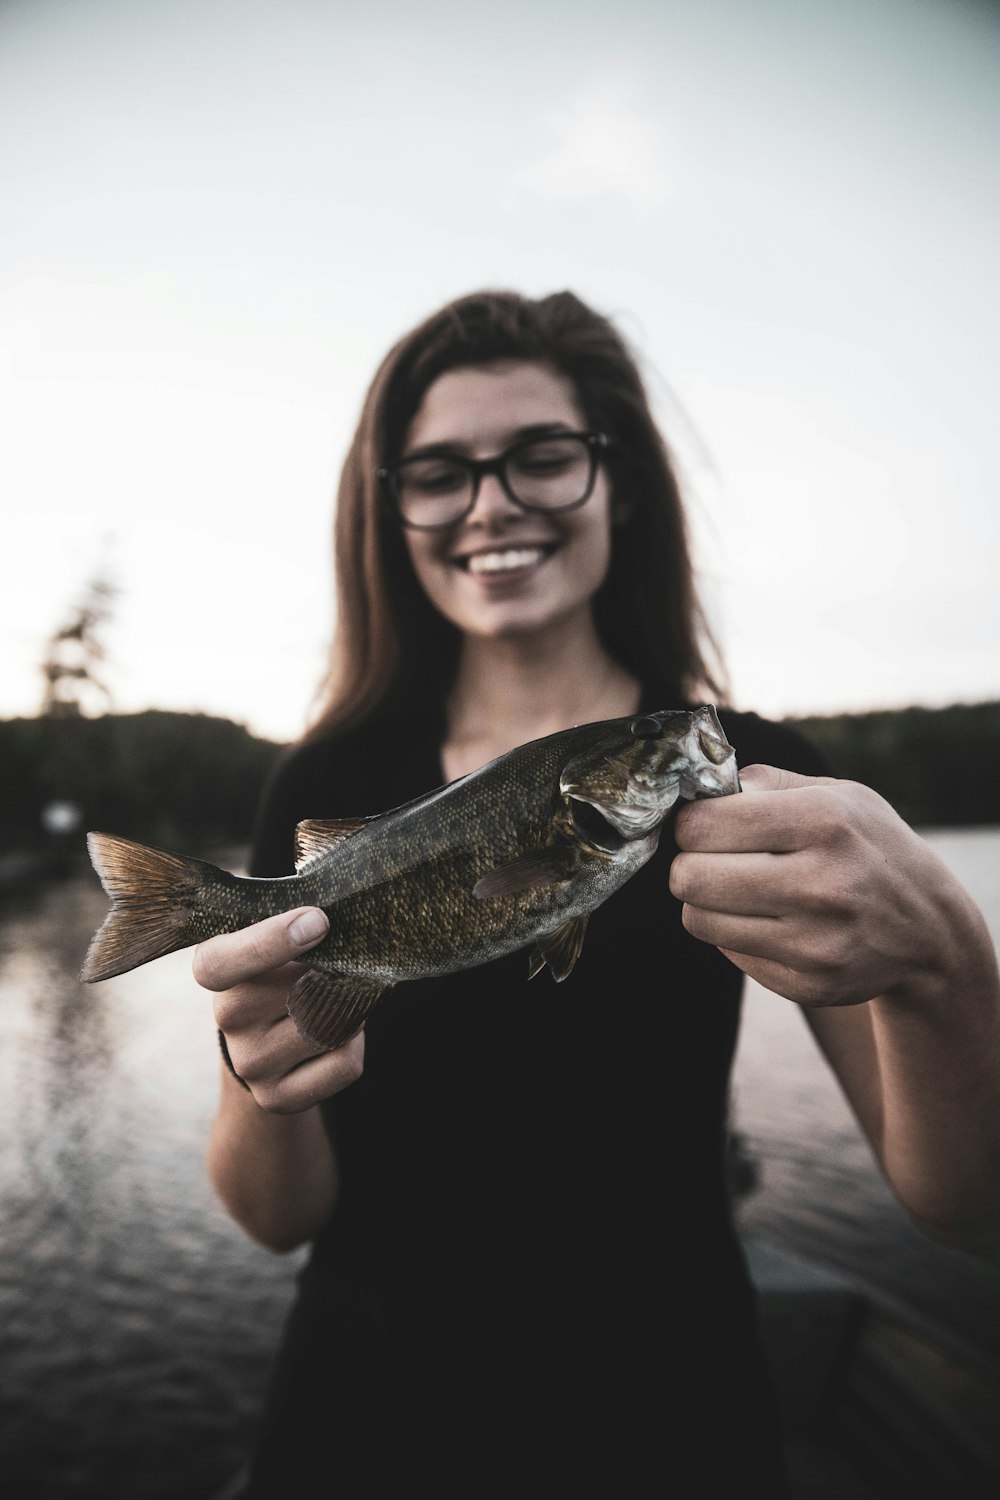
{"x": 532, "y": 1256}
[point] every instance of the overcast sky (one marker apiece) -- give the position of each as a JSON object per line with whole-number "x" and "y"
{"x": 216, "y": 215}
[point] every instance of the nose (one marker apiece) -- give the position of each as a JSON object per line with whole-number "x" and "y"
{"x": 492, "y": 505}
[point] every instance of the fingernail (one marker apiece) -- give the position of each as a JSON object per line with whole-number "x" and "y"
{"x": 308, "y": 927}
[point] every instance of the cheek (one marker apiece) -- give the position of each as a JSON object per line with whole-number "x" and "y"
{"x": 602, "y": 566}
{"x": 594, "y": 547}
{"x": 432, "y": 573}
{"x": 421, "y": 558}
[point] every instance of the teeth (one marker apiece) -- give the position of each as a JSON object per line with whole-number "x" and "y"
{"x": 501, "y": 562}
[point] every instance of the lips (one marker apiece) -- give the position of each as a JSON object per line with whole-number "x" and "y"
{"x": 509, "y": 559}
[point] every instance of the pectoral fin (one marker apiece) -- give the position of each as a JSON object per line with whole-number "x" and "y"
{"x": 540, "y": 868}
{"x": 559, "y": 949}
{"x": 329, "y": 1008}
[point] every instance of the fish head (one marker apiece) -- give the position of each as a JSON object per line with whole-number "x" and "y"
{"x": 638, "y": 768}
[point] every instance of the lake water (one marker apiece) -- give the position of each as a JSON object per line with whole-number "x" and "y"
{"x": 136, "y": 1321}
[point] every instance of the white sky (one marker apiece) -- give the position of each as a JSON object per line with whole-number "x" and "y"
{"x": 216, "y": 215}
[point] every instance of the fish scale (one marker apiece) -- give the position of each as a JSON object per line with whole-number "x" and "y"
{"x": 515, "y": 855}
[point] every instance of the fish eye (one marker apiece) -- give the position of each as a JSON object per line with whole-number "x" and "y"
{"x": 645, "y": 727}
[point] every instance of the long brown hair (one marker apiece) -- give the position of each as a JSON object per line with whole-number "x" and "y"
{"x": 391, "y": 648}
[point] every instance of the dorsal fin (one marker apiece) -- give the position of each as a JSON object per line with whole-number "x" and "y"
{"x": 315, "y": 837}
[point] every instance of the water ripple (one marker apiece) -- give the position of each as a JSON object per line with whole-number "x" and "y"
{"x": 138, "y": 1321}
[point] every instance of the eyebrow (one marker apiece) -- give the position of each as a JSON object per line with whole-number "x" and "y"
{"x": 519, "y": 435}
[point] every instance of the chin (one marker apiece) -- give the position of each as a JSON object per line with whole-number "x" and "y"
{"x": 501, "y": 630}
{"x": 514, "y": 626}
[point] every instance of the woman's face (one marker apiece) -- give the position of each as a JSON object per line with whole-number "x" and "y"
{"x": 502, "y": 571}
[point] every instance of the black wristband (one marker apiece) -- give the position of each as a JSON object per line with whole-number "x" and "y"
{"x": 229, "y": 1062}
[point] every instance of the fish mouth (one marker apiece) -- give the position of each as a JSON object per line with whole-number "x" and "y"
{"x": 509, "y": 557}
{"x": 619, "y": 822}
{"x": 594, "y": 827}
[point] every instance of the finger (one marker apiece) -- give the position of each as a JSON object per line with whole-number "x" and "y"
{"x": 267, "y": 1048}
{"x": 261, "y": 1002}
{"x": 757, "y": 937}
{"x": 761, "y": 778}
{"x": 776, "y": 977}
{"x": 774, "y": 812}
{"x": 805, "y": 988}
{"x": 313, "y": 1080}
{"x": 749, "y": 885}
{"x": 765, "y": 947}
{"x": 234, "y": 957}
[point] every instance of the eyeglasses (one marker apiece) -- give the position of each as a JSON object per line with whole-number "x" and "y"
{"x": 550, "y": 473}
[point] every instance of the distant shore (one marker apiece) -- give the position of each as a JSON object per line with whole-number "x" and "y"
{"x": 195, "y": 780}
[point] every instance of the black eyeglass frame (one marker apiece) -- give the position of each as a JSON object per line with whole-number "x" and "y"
{"x": 597, "y": 443}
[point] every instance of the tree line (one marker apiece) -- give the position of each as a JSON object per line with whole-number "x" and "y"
{"x": 938, "y": 767}
{"x": 193, "y": 782}
{"x": 189, "y": 782}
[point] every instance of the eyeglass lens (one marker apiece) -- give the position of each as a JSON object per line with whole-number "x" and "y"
{"x": 551, "y": 473}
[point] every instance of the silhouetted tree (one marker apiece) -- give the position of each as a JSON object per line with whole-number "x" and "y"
{"x": 74, "y": 653}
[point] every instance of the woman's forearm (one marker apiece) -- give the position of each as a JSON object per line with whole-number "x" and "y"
{"x": 275, "y": 1173}
{"x": 938, "y": 1048}
{"x": 819, "y": 891}
{"x": 269, "y": 1156}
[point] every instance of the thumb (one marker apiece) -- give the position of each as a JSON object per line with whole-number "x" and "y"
{"x": 760, "y": 778}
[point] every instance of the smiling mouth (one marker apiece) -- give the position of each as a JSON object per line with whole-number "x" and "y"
{"x": 506, "y": 559}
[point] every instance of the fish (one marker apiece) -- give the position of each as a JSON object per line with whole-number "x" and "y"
{"x": 515, "y": 855}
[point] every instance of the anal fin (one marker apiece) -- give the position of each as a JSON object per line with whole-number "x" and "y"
{"x": 329, "y": 1008}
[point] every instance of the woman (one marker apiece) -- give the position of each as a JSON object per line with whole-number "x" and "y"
{"x": 524, "y": 1278}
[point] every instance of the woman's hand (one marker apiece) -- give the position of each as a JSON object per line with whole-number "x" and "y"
{"x": 818, "y": 890}
{"x": 814, "y": 887}
{"x": 251, "y": 972}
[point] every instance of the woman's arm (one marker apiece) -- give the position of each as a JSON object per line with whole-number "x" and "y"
{"x": 820, "y": 892}
{"x": 269, "y": 1156}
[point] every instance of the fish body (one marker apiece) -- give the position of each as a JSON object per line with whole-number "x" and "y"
{"x": 515, "y": 855}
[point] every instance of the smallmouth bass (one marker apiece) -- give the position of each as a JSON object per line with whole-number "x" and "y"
{"x": 515, "y": 855}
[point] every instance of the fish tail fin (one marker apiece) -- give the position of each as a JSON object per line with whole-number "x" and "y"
{"x": 151, "y": 895}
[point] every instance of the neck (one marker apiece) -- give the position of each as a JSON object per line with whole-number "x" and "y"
{"x": 509, "y": 691}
